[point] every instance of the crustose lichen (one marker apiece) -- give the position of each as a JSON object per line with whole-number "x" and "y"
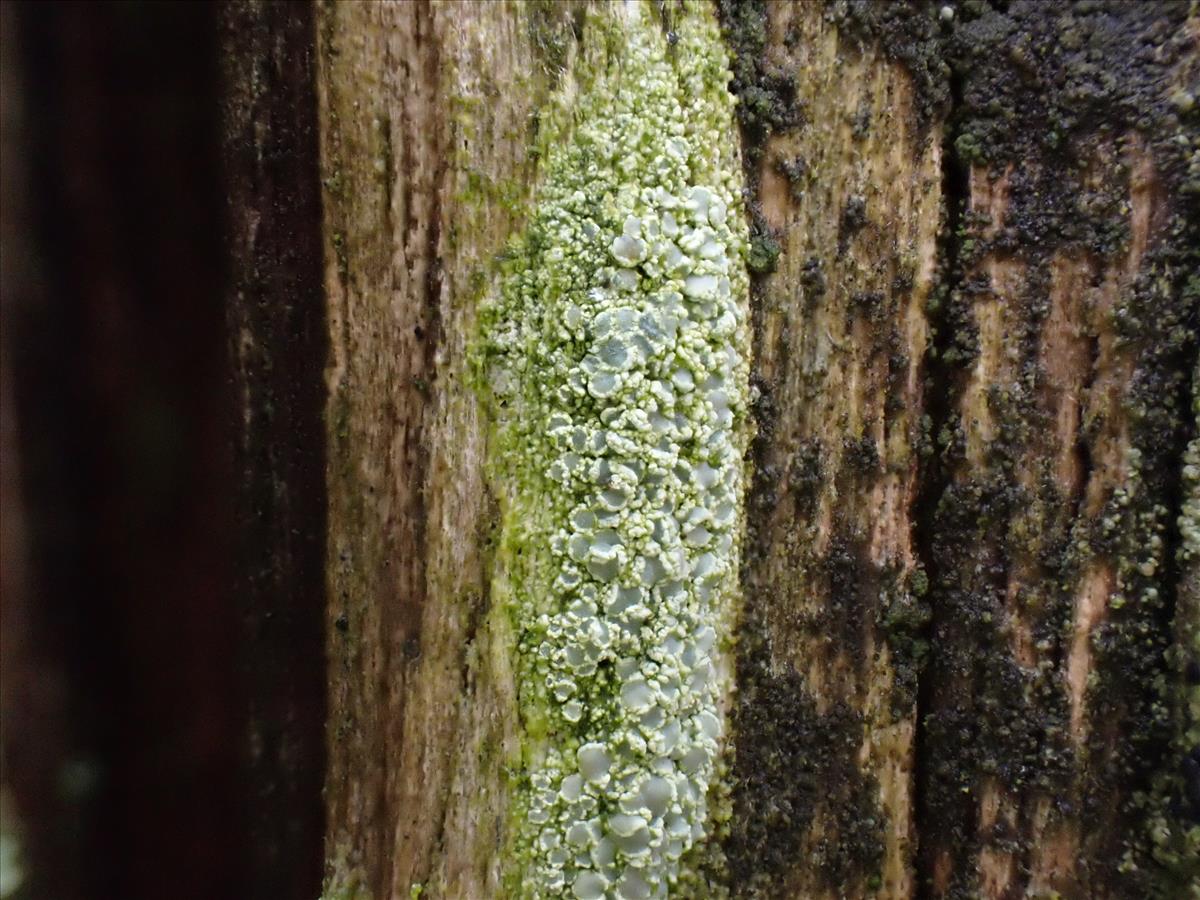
{"x": 616, "y": 355}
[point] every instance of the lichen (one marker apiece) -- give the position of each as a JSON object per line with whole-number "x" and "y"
{"x": 1056, "y": 100}
{"x": 766, "y": 90}
{"x": 1174, "y": 821}
{"x": 614, "y": 354}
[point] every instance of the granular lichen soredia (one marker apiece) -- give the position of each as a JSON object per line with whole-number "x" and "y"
{"x": 616, "y": 362}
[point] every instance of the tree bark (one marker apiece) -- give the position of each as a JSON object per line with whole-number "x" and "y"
{"x": 847, "y": 182}
{"x": 1066, "y": 341}
{"x": 426, "y": 116}
{"x": 277, "y": 345}
{"x": 970, "y": 348}
{"x": 967, "y": 647}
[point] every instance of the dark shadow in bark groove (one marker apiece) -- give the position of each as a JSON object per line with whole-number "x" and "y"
{"x": 278, "y": 345}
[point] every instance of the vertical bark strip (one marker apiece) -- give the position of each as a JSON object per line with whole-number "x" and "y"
{"x": 428, "y": 113}
{"x": 1066, "y": 340}
{"x": 277, "y": 347}
{"x": 848, "y": 192}
{"x": 1175, "y": 825}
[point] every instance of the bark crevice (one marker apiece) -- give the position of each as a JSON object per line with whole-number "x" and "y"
{"x": 941, "y": 395}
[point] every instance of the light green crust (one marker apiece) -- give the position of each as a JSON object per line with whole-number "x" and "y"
{"x": 615, "y": 355}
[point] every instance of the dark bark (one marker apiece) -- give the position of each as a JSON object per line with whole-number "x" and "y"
{"x": 844, "y": 165}
{"x": 278, "y": 344}
{"x": 1066, "y": 340}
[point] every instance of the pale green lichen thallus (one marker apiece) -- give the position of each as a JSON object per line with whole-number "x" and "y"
{"x": 616, "y": 362}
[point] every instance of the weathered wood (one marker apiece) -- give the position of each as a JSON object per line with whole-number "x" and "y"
{"x": 969, "y": 323}
{"x": 427, "y": 117}
{"x": 1066, "y": 342}
{"x": 848, "y": 188}
{"x": 968, "y": 661}
{"x": 901, "y": 274}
